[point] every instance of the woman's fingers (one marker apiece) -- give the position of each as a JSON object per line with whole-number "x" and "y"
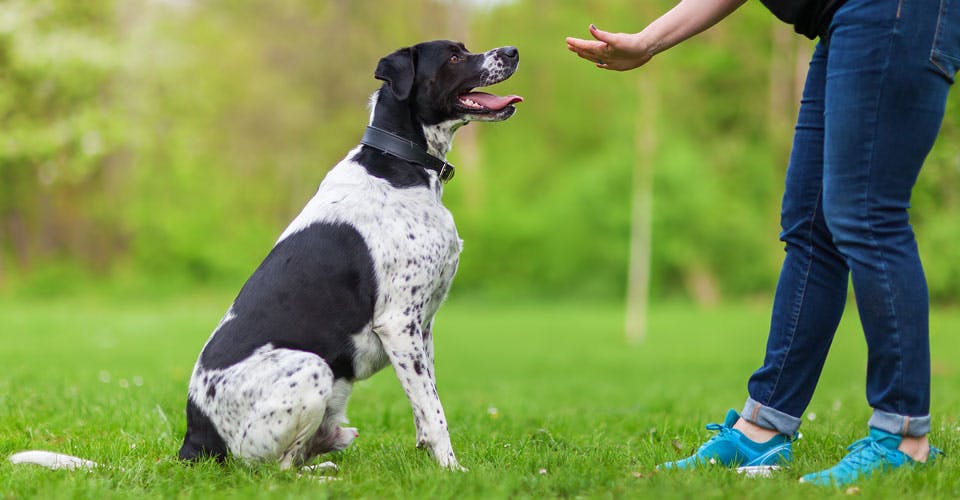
{"x": 578, "y": 45}
{"x": 588, "y": 49}
{"x": 609, "y": 51}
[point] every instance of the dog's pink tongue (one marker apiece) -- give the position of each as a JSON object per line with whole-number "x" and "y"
{"x": 490, "y": 101}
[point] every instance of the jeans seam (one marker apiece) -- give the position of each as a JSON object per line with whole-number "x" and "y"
{"x": 884, "y": 271}
{"x": 936, "y": 39}
{"x": 935, "y": 54}
{"x": 936, "y": 33}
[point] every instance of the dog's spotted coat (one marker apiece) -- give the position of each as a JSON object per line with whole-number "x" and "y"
{"x": 351, "y": 285}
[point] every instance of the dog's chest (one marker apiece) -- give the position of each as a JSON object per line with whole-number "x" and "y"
{"x": 413, "y": 243}
{"x": 416, "y": 254}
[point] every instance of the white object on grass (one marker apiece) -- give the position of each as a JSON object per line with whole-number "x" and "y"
{"x": 51, "y": 460}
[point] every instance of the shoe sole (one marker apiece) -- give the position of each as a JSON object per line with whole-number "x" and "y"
{"x": 758, "y": 470}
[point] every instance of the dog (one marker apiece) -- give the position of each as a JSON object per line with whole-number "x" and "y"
{"x": 353, "y": 283}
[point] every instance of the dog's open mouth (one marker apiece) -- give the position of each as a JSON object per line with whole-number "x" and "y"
{"x": 483, "y": 103}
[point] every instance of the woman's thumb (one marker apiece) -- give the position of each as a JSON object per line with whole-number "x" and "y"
{"x": 601, "y": 35}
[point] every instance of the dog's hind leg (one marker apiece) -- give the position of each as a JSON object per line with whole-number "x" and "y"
{"x": 272, "y": 404}
{"x": 331, "y": 436}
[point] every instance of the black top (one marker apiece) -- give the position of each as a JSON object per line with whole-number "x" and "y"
{"x": 810, "y": 18}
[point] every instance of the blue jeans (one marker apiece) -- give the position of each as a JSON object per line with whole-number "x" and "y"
{"x": 872, "y": 107}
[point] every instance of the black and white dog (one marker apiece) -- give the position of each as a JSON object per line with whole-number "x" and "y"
{"x": 354, "y": 282}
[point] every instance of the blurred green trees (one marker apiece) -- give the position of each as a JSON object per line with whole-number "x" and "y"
{"x": 161, "y": 144}
{"x": 57, "y": 65}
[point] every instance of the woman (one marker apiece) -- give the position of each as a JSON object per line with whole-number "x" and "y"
{"x": 872, "y": 106}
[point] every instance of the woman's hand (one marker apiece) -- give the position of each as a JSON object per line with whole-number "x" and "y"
{"x": 621, "y": 51}
{"x": 615, "y": 51}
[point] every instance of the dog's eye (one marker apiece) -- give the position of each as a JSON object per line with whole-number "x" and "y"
{"x": 455, "y": 59}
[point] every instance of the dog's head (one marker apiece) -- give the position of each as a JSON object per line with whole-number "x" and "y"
{"x": 437, "y": 79}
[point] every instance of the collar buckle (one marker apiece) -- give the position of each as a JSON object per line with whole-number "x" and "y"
{"x": 406, "y": 150}
{"x": 446, "y": 173}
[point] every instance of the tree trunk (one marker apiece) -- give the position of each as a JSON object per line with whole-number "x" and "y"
{"x": 781, "y": 108}
{"x": 645, "y": 145}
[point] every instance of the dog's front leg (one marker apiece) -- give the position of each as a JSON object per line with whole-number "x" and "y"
{"x": 413, "y": 362}
{"x": 428, "y": 362}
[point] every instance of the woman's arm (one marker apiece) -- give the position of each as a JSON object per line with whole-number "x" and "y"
{"x": 622, "y": 51}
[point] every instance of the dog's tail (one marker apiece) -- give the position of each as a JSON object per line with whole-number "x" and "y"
{"x": 52, "y": 460}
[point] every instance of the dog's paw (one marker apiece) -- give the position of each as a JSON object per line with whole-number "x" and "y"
{"x": 322, "y": 472}
{"x": 448, "y": 460}
{"x": 321, "y": 468}
{"x": 457, "y": 467}
{"x": 452, "y": 465}
{"x": 345, "y": 436}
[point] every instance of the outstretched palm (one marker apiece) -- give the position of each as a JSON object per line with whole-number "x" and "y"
{"x": 614, "y": 51}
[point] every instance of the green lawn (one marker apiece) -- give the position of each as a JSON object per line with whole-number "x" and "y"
{"x": 544, "y": 400}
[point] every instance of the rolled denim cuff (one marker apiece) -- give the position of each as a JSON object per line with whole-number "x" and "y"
{"x": 768, "y": 418}
{"x": 900, "y": 424}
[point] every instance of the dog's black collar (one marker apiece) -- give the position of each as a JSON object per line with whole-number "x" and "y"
{"x": 406, "y": 150}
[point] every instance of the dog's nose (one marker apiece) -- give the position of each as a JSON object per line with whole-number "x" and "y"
{"x": 510, "y": 52}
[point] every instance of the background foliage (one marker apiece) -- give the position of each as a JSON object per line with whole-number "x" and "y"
{"x": 149, "y": 145}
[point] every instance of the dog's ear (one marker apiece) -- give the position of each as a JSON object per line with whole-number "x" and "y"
{"x": 398, "y": 71}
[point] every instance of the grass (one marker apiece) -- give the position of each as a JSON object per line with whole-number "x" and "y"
{"x": 544, "y": 400}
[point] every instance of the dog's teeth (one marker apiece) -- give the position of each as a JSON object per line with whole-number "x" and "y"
{"x": 471, "y": 103}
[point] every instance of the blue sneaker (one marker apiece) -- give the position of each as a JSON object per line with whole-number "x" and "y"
{"x": 730, "y": 448}
{"x": 876, "y": 453}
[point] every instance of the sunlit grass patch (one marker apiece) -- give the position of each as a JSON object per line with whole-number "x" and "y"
{"x": 544, "y": 400}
